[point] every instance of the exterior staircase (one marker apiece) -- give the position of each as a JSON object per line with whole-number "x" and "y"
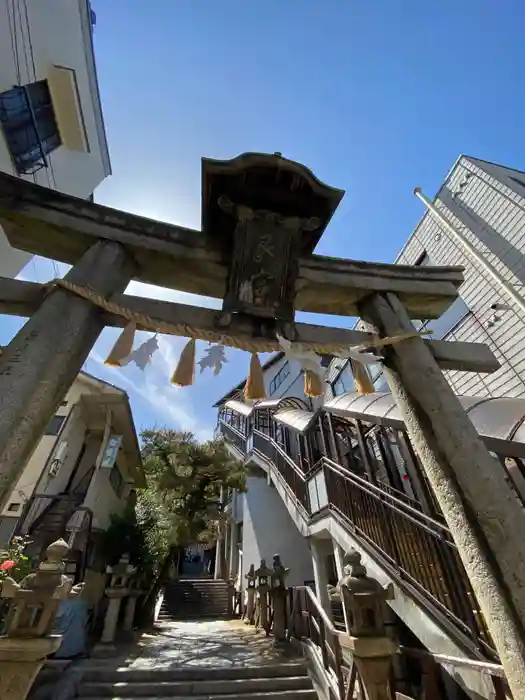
{"x": 287, "y": 681}
{"x": 194, "y": 599}
{"x": 350, "y": 470}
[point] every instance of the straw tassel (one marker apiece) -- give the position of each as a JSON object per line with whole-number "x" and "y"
{"x": 185, "y": 371}
{"x": 313, "y": 386}
{"x": 123, "y": 346}
{"x": 254, "y": 387}
{"x": 362, "y": 380}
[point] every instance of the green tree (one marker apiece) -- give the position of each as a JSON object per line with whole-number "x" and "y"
{"x": 135, "y": 532}
{"x": 185, "y": 482}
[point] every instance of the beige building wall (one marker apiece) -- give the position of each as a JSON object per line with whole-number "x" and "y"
{"x": 53, "y": 41}
{"x": 73, "y": 431}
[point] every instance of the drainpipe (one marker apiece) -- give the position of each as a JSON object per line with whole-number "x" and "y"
{"x": 458, "y": 236}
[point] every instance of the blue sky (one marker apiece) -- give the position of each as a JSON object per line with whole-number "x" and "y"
{"x": 375, "y": 96}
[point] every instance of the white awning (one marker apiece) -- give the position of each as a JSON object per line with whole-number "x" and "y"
{"x": 243, "y": 409}
{"x": 295, "y": 418}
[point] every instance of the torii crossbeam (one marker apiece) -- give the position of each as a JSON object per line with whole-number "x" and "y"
{"x": 262, "y": 217}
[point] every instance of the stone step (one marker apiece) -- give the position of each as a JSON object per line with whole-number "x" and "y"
{"x": 198, "y": 673}
{"x": 196, "y": 601}
{"x": 197, "y": 582}
{"x": 117, "y": 694}
{"x": 187, "y": 606}
{"x": 199, "y": 689}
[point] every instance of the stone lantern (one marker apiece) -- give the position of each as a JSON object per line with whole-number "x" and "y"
{"x": 363, "y": 597}
{"x": 279, "y": 574}
{"x": 34, "y": 606}
{"x": 372, "y": 650}
{"x": 118, "y": 589}
{"x": 250, "y": 596}
{"x": 263, "y": 577}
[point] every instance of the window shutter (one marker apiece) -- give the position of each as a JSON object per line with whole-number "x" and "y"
{"x": 66, "y": 104}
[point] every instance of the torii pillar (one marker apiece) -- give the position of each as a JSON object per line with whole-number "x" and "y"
{"x": 484, "y": 516}
{"x": 43, "y": 359}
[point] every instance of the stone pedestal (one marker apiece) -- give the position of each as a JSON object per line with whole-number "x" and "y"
{"x": 20, "y": 661}
{"x": 279, "y": 575}
{"x": 118, "y": 589}
{"x": 115, "y": 596}
{"x": 373, "y": 659}
{"x": 134, "y": 594}
{"x": 279, "y": 614}
{"x": 263, "y": 575}
{"x": 33, "y": 607}
{"x": 249, "y": 616}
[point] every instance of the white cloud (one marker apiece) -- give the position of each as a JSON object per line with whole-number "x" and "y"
{"x": 153, "y": 386}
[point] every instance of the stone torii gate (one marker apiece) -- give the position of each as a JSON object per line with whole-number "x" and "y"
{"x": 262, "y": 216}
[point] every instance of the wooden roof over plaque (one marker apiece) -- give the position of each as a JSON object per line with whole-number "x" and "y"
{"x": 266, "y": 181}
{"x": 264, "y": 212}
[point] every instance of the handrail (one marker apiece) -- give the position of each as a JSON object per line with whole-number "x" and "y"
{"x": 484, "y": 667}
{"x": 327, "y": 621}
{"x": 409, "y": 511}
{"x": 416, "y": 548}
{"x": 377, "y": 490}
{"x": 283, "y": 454}
{"x": 233, "y": 429}
{"x": 343, "y": 679}
{"x": 316, "y": 628}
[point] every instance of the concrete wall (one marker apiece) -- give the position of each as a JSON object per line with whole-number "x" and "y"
{"x": 54, "y": 33}
{"x": 292, "y": 385}
{"x": 102, "y": 498}
{"x": 268, "y": 529}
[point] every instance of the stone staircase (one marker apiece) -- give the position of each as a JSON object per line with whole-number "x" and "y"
{"x": 193, "y": 599}
{"x": 286, "y": 681}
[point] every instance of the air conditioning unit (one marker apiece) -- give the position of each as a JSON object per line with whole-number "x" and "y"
{"x": 58, "y": 458}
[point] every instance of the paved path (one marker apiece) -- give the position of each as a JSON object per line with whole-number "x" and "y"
{"x": 214, "y": 644}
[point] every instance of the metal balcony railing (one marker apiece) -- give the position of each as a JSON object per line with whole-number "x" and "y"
{"x": 416, "y": 548}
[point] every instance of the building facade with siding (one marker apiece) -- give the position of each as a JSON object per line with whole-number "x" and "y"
{"x": 51, "y": 122}
{"x": 486, "y": 203}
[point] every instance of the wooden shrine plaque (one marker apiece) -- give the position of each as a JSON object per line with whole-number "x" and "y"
{"x": 264, "y": 265}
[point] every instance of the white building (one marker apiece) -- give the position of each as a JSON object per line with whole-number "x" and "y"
{"x": 260, "y": 512}
{"x": 51, "y": 123}
{"x": 340, "y": 473}
{"x": 84, "y": 470}
{"x": 486, "y": 202}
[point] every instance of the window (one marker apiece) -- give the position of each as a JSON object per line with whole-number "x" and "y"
{"x": 344, "y": 382}
{"x": 279, "y": 378}
{"x": 116, "y": 480}
{"x": 54, "y": 425}
{"x": 449, "y": 319}
{"x": 13, "y": 507}
{"x": 29, "y": 124}
{"x": 423, "y": 259}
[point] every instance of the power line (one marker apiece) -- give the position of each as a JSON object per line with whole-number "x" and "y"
{"x": 32, "y": 54}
